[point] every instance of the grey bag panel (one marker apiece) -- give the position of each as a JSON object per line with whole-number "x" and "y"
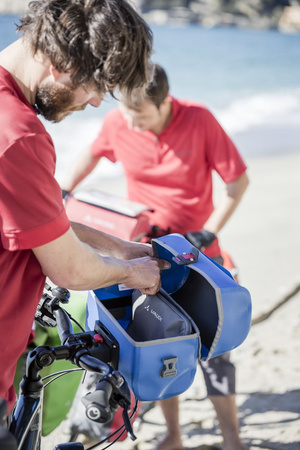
{"x": 157, "y": 317}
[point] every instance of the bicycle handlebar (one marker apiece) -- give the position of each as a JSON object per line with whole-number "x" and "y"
{"x": 81, "y": 357}
{"x": 112, "y": 390}
{"x": 64, "y": 325}
{"x": 89, "y": 351}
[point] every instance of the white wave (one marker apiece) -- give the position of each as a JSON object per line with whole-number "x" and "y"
{"x": 268, "y": 108}
{"x": 266, "y": 123}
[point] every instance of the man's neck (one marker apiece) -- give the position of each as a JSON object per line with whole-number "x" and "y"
{"x": 166, "y": 119}
{"x": 25, "y": 69}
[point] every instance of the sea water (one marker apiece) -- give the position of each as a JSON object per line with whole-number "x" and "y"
{"x": 249, "y": 79}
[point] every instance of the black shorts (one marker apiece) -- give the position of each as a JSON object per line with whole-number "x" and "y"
{"x": 219, "y": 375}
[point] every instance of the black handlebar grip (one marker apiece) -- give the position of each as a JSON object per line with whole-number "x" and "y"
{"x": 64, "y": 326}
{"x": 97, "y": 403}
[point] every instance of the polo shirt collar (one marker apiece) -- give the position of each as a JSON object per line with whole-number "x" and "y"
{"x": 15, "y": 88}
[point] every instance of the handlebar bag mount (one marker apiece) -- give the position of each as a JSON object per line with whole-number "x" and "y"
{"x": 216, "y": 314}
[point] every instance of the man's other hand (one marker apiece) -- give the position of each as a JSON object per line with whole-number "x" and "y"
{"x": 200, "y": 239}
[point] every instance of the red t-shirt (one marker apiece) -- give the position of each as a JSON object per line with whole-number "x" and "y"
{"x": 31, "y": 214}
{"x": 172, "y": 173}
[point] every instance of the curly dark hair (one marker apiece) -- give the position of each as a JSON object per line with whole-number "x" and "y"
{"x": 101, "y": 42}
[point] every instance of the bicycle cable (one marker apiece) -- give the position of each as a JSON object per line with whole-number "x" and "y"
{"x": 120, "y": 430}
{"x": 75, "y": 321}
{"x": 57, "y": 375}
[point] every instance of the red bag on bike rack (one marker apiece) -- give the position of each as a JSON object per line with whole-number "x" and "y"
{"x": 109, "y": 213}
{"x": 219, "y": 308}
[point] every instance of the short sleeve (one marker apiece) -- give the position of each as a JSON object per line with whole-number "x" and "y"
{"x": 222, "y": 154}
{"x": 31, "y": 208}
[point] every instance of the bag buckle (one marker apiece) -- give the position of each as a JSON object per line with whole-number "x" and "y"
{"x": 187, "y": 258}
{"x": 169, "y": 370}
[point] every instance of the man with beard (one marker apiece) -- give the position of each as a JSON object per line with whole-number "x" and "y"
{"x": 71, "y": 53}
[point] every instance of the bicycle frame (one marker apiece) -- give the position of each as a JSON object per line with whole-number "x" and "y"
{"x": 26, "y": 423}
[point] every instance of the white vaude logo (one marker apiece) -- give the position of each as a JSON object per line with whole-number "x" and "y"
{"x": 156, "y": 315}
{"x": 139, "y": 302}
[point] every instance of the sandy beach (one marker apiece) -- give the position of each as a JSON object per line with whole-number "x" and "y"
{"x": 264, "y": 241}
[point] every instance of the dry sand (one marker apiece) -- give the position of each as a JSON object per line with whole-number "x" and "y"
{"x": 264, "y": 239}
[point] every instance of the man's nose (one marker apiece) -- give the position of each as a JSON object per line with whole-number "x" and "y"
{"x": 95, "y": 100}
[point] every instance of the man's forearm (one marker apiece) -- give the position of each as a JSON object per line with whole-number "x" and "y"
{"x": 71, "y": 263}
{"x": 105, "y": 244}
{"x": 228, "y": 203}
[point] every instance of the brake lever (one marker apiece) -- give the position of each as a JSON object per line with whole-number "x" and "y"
{"x": 124, "y": 401}
{"x": 127, "y": 422}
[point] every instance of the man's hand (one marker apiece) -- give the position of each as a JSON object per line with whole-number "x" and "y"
{"x": 200, "y": 239}
{"x": 132, "y": 250}
{"x": 144, "y": 274}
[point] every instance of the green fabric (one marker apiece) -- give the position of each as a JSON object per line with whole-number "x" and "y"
{"x": 58, "y": 396}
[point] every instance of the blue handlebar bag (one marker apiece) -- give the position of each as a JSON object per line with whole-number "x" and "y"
{"x": 198, "y": 297}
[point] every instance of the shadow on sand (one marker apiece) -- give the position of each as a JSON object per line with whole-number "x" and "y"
{"x": 257, "y": 413}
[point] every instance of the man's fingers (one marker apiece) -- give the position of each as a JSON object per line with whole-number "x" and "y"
{"x": 147, "y": 274}
{"x": 162, "y": 263}
{"x": 151, "y": 290}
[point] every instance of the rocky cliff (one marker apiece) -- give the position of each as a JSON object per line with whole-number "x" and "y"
{"x": 281, "y": 14}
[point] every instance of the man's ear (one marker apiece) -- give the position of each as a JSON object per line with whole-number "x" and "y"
{"x": 55, "y": 74}
{"x": 61, "y": 77}
{"x": 165, "y": 103}
{"x": 166, "y": 100}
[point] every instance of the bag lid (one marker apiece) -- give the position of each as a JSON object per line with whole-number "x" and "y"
{"x": 219, "y": 306}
